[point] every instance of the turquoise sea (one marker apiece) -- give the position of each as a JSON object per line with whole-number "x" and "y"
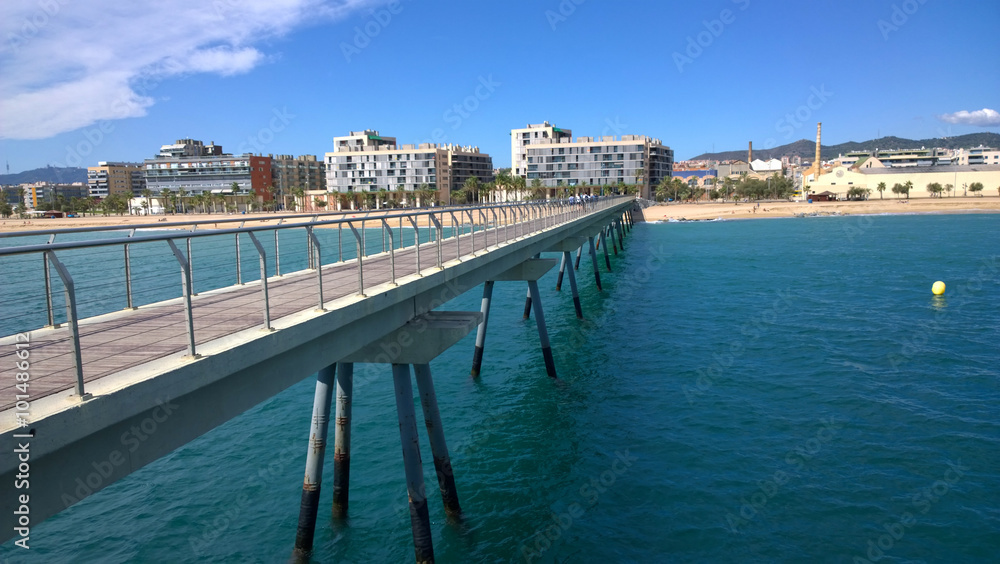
{"x": 783, "y": 390}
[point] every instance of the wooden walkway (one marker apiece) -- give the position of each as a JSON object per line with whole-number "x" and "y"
{"x": 154, "y": 331}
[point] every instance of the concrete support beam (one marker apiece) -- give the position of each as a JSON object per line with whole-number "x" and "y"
{"x": 309, "y": 504}
{"x": 342, "y": 439}
{"x": 531, "y": 269}
{"x": 477, "y": 356}
{"x": 435, "y": 433}
{"x": 420, "y": 521}
{"x": 420, "y": 340}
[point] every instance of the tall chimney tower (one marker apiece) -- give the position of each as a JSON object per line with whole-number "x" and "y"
{"x": 819, "y": 167}
{"x": 750, "y": 153}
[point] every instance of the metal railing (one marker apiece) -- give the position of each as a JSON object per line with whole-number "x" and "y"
{"x": 438, "y": 231}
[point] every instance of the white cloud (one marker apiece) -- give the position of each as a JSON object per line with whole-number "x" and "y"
{"x": 983, "y": 118}
{"x": 68, "y": 64}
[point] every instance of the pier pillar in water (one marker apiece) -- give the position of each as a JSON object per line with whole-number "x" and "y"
{"x": 593, "y": 259}
{"x": 527, "y": 299}
{"x": 611, "y": 233}
{"x": 342, "y": 439}
{"x": 309, "y": 504}
{"x": 423, "y": 546}
{"x": 562, "y": 270}
{"x": 604, "y": 245}
{"x": 579, "y": 253}
{"x": 576, "y": 293}
{"x": 565, "y": 248}
{"x": 477, "y": 355}
{"x": 435, "y": 433}
{"x": 543, "y": 335}
{"x": 621, "y": 234}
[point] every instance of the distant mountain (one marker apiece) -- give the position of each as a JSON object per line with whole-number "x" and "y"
{"x": 53, "y": 174}
{"x": 807, "y": 149}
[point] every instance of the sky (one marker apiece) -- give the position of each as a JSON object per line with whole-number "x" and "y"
{"x": 83, "y": 82}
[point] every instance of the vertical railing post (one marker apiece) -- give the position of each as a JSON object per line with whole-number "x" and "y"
{"x": 190, "y": 265}
{"x": 277, "y": 253}
{"x": 186, "y": 285}
{"x": 392, "y": 251}
{"x": 239, "y": 266}
{"x": 440, "y": 234}
{"x": 128, "y": 274}
{"x": 48, "y": 287}
{"x": 263, "y": 279}
{"x": 416, "y": 240}
{"x": 318, "y": 263}
{"x": 71, "y": 320}
{"x": 359, "y": 237}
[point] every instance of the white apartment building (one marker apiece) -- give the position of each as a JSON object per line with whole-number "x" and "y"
{"x": 365, "y": 161}
{"x": 520, "y": 139}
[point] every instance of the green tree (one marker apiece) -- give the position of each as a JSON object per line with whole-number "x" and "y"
{"x": 880, "y": 188}
{"x": 640, "y": 177}
{"x": 181, "y": 194}
{"x": 148, "y": 194}
{"x": 537, "y": 189}
{"x": 519, "y": 185}
{"x": 471, "y": 187}
{"x": 298, "y": 197}
{"x": 976, "y": 187}
{"x": 950, "y": 188}
{"x": 663, "y": 188}
{"x": 319, "y": 202}
{"x": 898, "y": 189}
{"x": 908, "y": 185}
{"x": 935, "y": 189}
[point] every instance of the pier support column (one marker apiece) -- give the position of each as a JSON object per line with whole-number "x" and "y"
{"x": 543, "y": 335}
{"x": 572, "y": 285}
{"x": 477, "y": 355}
{"x": 309, "y": 504}
{"x": 579, "y": 253}
{"x": 604, "y": 245}
{"x": 593, "y": 259}
{"x": 621, "y": 234}
{"x": 527, "y": 306}
{"x": 435, "y": 432}
{"x": 423, "y": 546}
{"x": 342, "y": 439}
{"x": 611, "y": 234}
{"x": 562, "y": 270}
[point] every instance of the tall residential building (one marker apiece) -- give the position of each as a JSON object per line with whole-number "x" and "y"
{"x": 365, "y": 161}
{"x": 533, "y": 134}
{"x": 589, "y": 161}
{"x": 109, "y": 178}
{"x": 304, "y": 171}
{"x": 976, "y": 156}
{"x": 198, "y": 168}
{"x": 42, "y": 192}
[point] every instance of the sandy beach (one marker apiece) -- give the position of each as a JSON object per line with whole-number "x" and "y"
{"x": 742, "y": 210}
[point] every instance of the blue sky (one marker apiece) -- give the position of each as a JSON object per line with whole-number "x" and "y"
{"x": 84, "y": 82}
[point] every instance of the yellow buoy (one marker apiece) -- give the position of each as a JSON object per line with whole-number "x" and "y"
{"x": 938, "y": 288}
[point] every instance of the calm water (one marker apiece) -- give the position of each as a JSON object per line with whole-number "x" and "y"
{"x": 756, "y": 391}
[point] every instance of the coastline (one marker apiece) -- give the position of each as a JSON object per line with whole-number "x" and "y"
{"x": 729, "y": 210}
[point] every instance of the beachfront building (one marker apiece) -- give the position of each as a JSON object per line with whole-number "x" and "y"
{"x": 564, "y": 166}
{"x": 976, "y": 156}
{"x": 733, "y": 169}
{"x": 898, "y": 158}
{"x": 520, "y": 139}
{"x": 841, "y": 179}
{"x": 365, "y": 161}
{"x": 289, "y": 174}
{"x": 107, "y": 178}
{"x": 197, "y": 169}
{"x": 40, "y": 193}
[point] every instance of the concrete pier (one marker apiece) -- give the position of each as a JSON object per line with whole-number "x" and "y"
{"x": 423, "y": 547}
{"x": 309, "y": 505}
{"x": 435, "y": 433}
{"x": 477, "y": 355}
{"x": 342, "y": 439}
{"x": 543, "y": 335}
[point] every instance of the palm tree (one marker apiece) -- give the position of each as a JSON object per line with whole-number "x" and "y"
{"x": 471, "y": 187}
{"x": 298, "y": 195}
{"x": 519, "y": 185}
{"x": 880, "y": 188}
{"x": 502, "y": 182}
{"x": 908, "y": 186}
{"x": 148, "y": 194}
{"x": 164, "y": 198}
{"x": 181, "y": 193}
{"x": 640, "y": 176}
